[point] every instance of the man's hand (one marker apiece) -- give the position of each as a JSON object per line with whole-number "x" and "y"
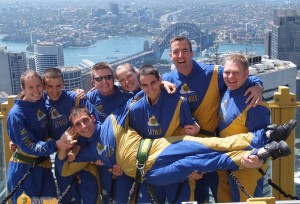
{"x": 12, "y": 146}
{"x": 192, "y": 129}
{"x": 170, "y": 87}
{"x": 255, "y": 97}
{"x": 66, "y": 141}
{"x": 80, "y": 93}
{"x": 196, "y": 175}
{"x": 98, "y": 162}
{"x": 116, "y": 170}
{"x": 71, "y": 157}
{"x": 251, "y": 161}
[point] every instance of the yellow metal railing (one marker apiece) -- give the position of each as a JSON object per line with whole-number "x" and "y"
{"x": 282, "y": 110}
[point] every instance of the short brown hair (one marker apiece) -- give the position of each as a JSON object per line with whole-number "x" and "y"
{"x": 77, "y": 110}
{"x": 237, "y": 58}
{"x": 101, "y": 65}
{"x": 181, "y": 38}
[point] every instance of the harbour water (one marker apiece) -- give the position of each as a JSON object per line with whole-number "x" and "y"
{"x": 114, "y": 48}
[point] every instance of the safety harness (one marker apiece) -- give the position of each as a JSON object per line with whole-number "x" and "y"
{"x": 32, "y": 162}
{"x": 142, "y": 156}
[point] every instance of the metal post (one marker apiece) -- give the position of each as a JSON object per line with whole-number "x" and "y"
{"x": 282, "y": 110}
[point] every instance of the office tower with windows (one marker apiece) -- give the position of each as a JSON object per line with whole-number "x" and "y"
{"x": 47, "y": 55}
{"x": 12, "y": 64}
{"x": 114, "y": 8}
{"x": 72, "y": 77}
{"x": 285, "y": 35}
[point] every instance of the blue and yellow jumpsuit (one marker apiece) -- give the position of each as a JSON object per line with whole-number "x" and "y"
{"x": 237, "y": 117}
{"x": 171, "y": 159}
{"x": 167, "y": 117}
{"x": 88, "y": 178}
{"x": 203, "y": 88}
{"x": 27, "y": 127}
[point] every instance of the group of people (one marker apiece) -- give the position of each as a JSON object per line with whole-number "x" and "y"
{"x": 183, "y": 121}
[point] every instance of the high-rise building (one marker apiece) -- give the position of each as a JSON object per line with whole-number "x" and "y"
{"x": 114, "y": 8}
{"x": 72, "y": 77}
{"x": 12, "y": 64}
{"x": 47, "y": 55}
{"x": 31, "y": 63}
{"x": 285, "y": 35}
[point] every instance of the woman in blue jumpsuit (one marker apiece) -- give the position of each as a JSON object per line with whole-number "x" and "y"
{"x": 27, "y": 127}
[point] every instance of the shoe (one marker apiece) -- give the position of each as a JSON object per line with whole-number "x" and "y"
{"x": 275, "y": 150}
{"x": 281, "y": 132}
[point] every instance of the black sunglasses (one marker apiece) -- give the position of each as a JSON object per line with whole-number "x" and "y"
{"x": 106, "y": 77}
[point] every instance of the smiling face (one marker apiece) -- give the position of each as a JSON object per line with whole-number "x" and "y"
{"x": 54, "y": 87}
{"x": 150, "y": 84}
{"x": 32, "y": 89}
{"x": 84, "y": 124}
{"x": 127, "y": 78}
{"x": 106, "y": 85}
{"x": 235, "y": 75}
{"x": 182, "y": 56}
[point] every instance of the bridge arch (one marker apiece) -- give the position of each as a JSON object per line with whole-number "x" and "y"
{"x": 190, "y": 30}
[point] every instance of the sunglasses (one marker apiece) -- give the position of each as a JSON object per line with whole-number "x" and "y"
{"x": 106, "y": 77}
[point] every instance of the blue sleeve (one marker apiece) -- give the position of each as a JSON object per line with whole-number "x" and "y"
{"x": 255, "y": 80}
{"x": 221, "y": 84}
{"x": 59, "y": 164}
{"x": 24, "y": 138}
{"x": 258, "y": 119}
{"x": 91, "y": 108}
{"x": 186, "y": 117}
{"x": 87, "y": 154}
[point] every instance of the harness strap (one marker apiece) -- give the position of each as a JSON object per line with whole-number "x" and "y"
{"x": 142, "y": 156}
{"x": 32, "y": 161}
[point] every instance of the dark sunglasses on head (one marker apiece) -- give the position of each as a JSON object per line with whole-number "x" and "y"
{"x": 106, "y": 77}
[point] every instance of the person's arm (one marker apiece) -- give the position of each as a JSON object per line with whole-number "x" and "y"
{"x": 25, "y": 140}
{"x": 251, "y": 161}
{"x": 65, "y": 167}
{"x": 189, "y": 124}
{"x": 255, "y": 92}
{"x": 257, "y": 120}
{"x": 91, "y": 108}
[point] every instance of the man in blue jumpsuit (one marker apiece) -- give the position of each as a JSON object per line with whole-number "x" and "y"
{"x": 171, "y": 159}
{"x": 106, "y": 97}
{"x": 58, "y": 104}
{"x": 238, "y": 117}
{"x": 202, "y": 85}
{"x": 159, "y": 114}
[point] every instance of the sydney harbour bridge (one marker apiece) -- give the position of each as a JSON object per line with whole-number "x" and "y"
{"x": 155, "y": 49}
